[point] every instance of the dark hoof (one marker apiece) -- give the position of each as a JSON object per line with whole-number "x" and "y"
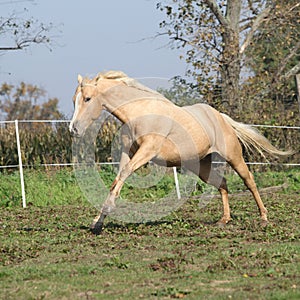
{"x": 264, "y": 223}
{"x": 96, "y": 229}
{"x": 223, "y": 222}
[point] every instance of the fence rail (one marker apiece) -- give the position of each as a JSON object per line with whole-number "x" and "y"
{"x": 21, "y": 166}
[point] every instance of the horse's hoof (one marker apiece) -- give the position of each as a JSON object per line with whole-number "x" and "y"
{"x": 223, "y": 222}
{"x": 96, "y": 229}
{"x": 264, "y": 223}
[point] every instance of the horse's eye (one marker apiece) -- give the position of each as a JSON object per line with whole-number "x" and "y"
{"x": 87, "y": 99}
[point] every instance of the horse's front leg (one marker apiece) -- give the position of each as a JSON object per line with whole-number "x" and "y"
{"x": 143, "y": 155}
{"x": 107, "y": 208}
{"x": 109, "y": 204}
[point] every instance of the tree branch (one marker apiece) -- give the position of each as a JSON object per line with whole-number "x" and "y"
{"x": 293, "y": 7}
{"x": 10, "y": 48}
{"x": 286, "y": 60}
{"x": 212, "y": 4}
{"x": 256, "y": 23}
{"x": 37, "y": 38}
{"x": 292, "y": 72}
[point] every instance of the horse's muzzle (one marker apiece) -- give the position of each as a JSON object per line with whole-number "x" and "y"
{"x": 74, "y": 131}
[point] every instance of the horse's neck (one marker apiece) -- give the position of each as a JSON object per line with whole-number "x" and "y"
{"x": 122, "y": 102}
{"x": 117, "y": 112}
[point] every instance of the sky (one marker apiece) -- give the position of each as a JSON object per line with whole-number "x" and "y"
{"x": 89, "y": 37}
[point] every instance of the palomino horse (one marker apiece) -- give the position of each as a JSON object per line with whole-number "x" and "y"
{"x": 158, "y": 130}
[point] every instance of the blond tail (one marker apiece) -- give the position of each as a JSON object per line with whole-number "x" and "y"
{"x": 253, "y": 139}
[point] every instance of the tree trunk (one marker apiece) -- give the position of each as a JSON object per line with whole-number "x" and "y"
{"x": 298, "y": 88}
{"x": 230, "y": 61}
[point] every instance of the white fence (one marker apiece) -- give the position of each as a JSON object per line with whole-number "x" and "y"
{"x": 20, "y": 165}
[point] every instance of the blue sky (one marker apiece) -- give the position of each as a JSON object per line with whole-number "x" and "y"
{"x": 91, "y": 36}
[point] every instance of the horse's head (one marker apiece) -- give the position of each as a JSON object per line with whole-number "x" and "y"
{"x": 87, "y": 106}
{"x": 88, "y": 102}
{"x": 90, "y": 98}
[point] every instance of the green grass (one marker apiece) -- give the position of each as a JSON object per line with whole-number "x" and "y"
{"x": 47, "y": 251}
{"x": 60, "y": 187}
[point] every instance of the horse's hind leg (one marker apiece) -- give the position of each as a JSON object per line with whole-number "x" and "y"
{"x": 239, "y": 165}
{"x": 211, "y": 176}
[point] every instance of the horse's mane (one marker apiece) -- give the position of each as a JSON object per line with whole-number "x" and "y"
{"x": 112, "y": 75}
{"x": 121, "y": 76}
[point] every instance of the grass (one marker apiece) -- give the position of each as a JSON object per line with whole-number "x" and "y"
{"x": 47, "y": 251}
{"x": 60, "y": 187}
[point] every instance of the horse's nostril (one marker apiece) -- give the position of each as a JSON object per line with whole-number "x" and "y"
{"x": 73, "y": 130}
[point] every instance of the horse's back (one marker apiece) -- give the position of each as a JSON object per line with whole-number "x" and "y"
{"x": 219, "y": 132}
{"x": 206, "y": 116}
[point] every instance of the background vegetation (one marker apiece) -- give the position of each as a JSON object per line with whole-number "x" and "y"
{"x": 236, "y": 51}
{"x": 242, "y": 58}
{"x": 50, "y": 143}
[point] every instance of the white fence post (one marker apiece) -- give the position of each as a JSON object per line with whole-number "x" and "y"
{"x": 20, "y": 164}
{"x": 176, "y": 183}
{"x": 69, "y": 164}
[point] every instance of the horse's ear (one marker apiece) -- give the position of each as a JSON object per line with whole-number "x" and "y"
{"x": 79, "y": 78}
{"x": 98, "y": 77}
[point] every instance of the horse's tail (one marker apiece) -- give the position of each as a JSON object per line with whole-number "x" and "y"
{"x": 253, "y": 139}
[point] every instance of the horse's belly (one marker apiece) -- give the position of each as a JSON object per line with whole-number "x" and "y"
{"x": 176, "y": 153}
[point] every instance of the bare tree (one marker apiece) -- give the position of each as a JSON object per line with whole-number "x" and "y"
{"x": 17, "y": 33}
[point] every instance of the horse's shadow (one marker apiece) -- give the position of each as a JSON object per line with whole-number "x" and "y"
{"x": 112, "y": 226}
